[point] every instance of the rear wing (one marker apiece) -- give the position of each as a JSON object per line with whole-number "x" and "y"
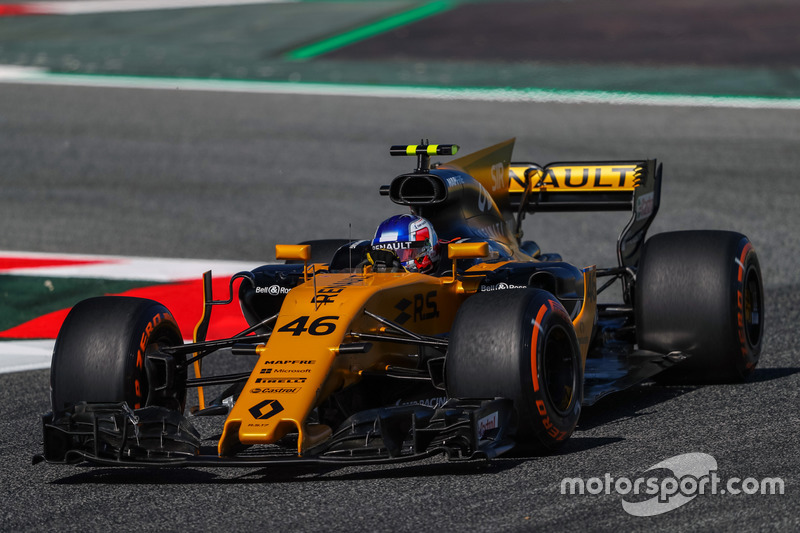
{"x": 592, "y": 186}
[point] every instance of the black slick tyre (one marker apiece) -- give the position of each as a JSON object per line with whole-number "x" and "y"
{"x": 700, "y": 293}
{"x": 100, "y": 353}
{"x": 521, "y": 345}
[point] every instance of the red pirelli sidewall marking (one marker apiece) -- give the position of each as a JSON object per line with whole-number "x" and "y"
{"x": 141, "y": 352}
{"x": 745, "y": 250}
{"x": 740, "y": 302}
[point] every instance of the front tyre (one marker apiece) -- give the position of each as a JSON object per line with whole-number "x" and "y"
{"x": 521, "y": 345}
{"x": 100, "y": 354}
{"x": 700, "y": 292}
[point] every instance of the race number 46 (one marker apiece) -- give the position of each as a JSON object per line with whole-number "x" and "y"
{"x": 324, "y": 325}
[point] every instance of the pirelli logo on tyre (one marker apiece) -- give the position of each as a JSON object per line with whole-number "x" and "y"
{"x": 141, "y": 354}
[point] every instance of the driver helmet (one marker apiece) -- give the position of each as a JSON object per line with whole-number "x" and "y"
{"x": 412, "y": 239}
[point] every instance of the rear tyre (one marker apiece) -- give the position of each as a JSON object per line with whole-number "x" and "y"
{"x": 521, "y": 345}
{"x": 100, "y": 354}
{"x": 700, "y": 292}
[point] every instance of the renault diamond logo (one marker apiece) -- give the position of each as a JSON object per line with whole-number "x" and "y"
{"x": 401, "y": 306}
{"x": 266, "y": 409}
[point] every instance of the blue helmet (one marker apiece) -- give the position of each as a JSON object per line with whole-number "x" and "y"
{"x": 412, "y": 239}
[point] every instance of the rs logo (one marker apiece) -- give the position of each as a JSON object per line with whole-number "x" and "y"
{"x": 424, "y": 308}
{"x": 497, "y": 177}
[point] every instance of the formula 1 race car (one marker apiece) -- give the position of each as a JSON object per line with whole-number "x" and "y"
{"x": 364, "y": 356}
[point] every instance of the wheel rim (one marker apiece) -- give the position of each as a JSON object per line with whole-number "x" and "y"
{"x": 752, "y": 307}
{"x": 559, "y": 363}
{"x": 164, "y": 338}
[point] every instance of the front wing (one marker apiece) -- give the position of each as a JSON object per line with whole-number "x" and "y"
{"x": 114, "y": 434}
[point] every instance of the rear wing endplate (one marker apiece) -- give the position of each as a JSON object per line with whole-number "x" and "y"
{"x": 592, "y": 186}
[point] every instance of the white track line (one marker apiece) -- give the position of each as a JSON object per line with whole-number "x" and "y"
{"x": 117, "y": 6}
{"x": 18, "y": 356}
{"x": 32, "y": 76}
{"x": 128, "y": 268}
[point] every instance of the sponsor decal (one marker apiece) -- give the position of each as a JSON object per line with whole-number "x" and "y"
{"x": 274, "y": 390}
{"x": 424, "y": 308}
{"x": 488, "y": 422}
{"x": 285, "y": 371}
{"x": 454, "y": 181}
{"x": 498, "y": 177}
{"x": 501, "y": 287}
{"x": 517, "y": 182}
{"x": 644, "y": 205}
{"x": 591, "y": 177}
{"x": 435, "y": 403}
{"x": 402, "y": 245}
{"x": 280, "y": 380}
{"x": 492, "y": 232}
{"x": 273, "y": 290}
{"x": 418, "y": 230}
{"x": 291, "y": 362}
{"x": 485, "y": 201}
{"x": 326, "y": 295}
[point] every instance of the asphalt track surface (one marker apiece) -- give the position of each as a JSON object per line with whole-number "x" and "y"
{"x": 214, "y": 175}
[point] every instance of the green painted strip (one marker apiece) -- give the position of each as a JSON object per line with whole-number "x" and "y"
{"x": 24, "y": 298}
{"x": 370, "y": 30}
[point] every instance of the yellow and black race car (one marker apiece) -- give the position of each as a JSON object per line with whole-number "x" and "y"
{"x": 444, "y": 334}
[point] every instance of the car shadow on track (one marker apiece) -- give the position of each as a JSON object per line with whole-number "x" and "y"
{"x": 635, "y": 402}
{"x": 431, "y": 467}
{"x": 282, "y": 474}
{"x": 769, "y": 374}
{"x": 641, "y": 400}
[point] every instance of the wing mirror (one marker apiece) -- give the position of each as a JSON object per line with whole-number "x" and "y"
{"x": 466, "y": 250}
{"x": 294, "y": 252}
